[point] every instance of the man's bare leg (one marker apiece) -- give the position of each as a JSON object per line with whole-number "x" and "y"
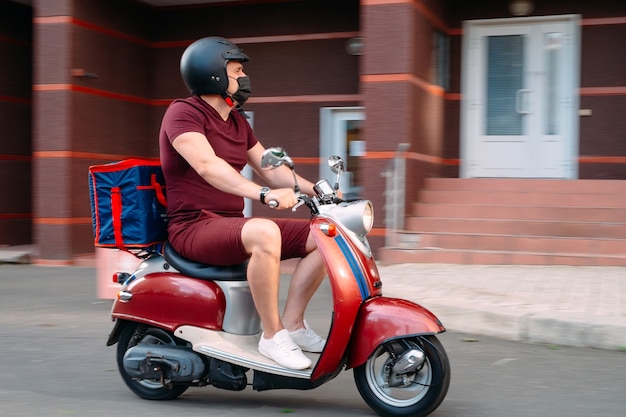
{"x": 262, "y": 239}
{"x": 306, "y": 279}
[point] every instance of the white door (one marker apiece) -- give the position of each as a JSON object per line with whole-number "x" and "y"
{"x": 341, "y": 133}
{"x": 520, "y": 98}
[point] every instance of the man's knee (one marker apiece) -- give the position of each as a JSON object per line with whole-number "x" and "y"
{"x": 261, "y": 233}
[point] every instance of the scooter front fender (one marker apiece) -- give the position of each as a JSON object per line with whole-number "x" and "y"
{"x": 382, "y": 319}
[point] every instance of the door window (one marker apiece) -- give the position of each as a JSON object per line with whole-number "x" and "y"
{"x": 505, "y": 81}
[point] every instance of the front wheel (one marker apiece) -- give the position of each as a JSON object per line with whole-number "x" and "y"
{"x": 133, "y": 334}
{"x": 416, "y": 393}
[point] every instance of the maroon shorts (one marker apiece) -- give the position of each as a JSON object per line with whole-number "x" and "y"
{"x": 216, "y": 240}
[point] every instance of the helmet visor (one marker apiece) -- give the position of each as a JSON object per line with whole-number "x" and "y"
{"x": 235, "y": 55}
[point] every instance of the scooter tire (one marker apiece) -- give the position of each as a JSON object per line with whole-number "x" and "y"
{"x": 130, "y": 335}
{"x": 424, "y": 391}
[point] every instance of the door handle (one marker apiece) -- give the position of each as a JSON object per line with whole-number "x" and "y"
{"x": 519, "y": 104}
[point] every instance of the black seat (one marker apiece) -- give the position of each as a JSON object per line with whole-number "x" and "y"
{"x": 203, "y": 271}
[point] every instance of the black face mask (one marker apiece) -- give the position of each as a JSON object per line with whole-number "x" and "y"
{"x": 243, "y": 92}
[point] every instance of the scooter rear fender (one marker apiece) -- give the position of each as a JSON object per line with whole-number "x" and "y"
{"x": 170, "y": 300}
{"x": 382, "y": 319}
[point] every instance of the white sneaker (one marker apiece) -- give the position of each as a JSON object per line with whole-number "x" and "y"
{"x": 307, "y": 339}
{"x": 282, "y": 350}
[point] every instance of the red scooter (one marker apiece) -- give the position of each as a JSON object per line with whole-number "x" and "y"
{"x": 179, "y": 323}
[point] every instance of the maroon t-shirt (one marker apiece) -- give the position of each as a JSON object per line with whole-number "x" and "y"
{"x": 187, "y": 192}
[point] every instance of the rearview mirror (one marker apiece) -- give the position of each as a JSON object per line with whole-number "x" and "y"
{"x": 274, "y": 157}
{"x": 336, "y": 164}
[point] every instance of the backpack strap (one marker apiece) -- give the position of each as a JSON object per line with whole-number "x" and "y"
{"x": 158, "y": 189}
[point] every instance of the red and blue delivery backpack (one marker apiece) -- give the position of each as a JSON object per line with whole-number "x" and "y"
{"x": 128, "y": 206}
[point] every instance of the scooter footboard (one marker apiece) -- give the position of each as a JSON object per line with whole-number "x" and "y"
{"x": 381, "y": 319}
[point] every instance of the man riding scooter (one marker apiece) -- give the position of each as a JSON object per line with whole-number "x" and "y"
{"x": 205, "y": 141}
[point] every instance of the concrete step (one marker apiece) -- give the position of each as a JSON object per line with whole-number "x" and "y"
{"x": 510, "y": 243}
{"x": 551, "y": 186}
{"x": 17, "y": 254}
{"x": 520, "y": 212}
{"x": 556, "y": 228}
{"x": 477, "y": 257}
{"x": 515, "y": 198}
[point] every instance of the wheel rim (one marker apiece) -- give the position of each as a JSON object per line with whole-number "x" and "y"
{"x": 377, "y": 376}
{"x": 153, "y": 336}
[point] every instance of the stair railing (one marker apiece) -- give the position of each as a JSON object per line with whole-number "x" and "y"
{"x": 395, "y": 181}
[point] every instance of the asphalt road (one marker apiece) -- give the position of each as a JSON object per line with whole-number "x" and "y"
{"x": 54, "y": 362}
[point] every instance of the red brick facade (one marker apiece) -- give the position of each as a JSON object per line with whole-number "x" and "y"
{"x": 103, "y": 72}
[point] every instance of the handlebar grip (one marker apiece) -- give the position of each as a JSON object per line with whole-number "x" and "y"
{"x": 273, "y": 203}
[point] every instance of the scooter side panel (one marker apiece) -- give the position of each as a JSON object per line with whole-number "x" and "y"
{"x": 382, "y": 319}
{"x": 171, "y": 300}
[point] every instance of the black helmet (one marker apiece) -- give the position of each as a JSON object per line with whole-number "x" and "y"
{"x": 203, "y": 65}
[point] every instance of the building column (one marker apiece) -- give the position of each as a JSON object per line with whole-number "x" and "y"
{"x": 52, "y": 136}
{"x": 402, "y": 104}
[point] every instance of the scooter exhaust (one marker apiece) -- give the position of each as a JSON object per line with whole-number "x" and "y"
{"x": 163, "y": 363}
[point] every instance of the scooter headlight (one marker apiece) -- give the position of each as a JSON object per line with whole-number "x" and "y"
{"x": 357, "y": 216}
{"x": 368, "y": 217}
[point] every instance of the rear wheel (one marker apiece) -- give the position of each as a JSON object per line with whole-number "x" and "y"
{"x": 133, "y": 334}
{"x": 417, "y": 393}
